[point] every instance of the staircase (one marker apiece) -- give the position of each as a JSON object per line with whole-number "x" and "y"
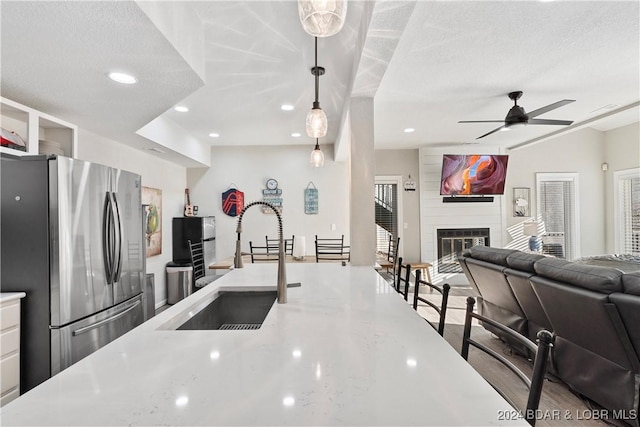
{"x": 386, "y": 220}
{"x": 384, "y": 215}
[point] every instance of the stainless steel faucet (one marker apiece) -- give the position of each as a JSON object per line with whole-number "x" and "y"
{"x": 282, "y": 273}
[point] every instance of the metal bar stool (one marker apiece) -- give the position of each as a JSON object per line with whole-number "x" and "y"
{"x": 442, "y": 310}
{"x": 403, "y": 279}
{"x": 541, "y": 352}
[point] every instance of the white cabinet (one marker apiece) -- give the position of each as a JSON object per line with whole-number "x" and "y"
{"x": 10, "y": 346}
{"x": 42, "y": 133}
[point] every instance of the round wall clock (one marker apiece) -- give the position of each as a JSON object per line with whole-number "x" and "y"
{"x": 272, "y": 184}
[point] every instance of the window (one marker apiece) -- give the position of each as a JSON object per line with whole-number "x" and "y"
{"x": 558, "y": 208}
{"x": 388, "y": 211}
{"x": 627, "y": 211}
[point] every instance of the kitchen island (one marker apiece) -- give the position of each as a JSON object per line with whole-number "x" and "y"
{"x": 345, "y": 350}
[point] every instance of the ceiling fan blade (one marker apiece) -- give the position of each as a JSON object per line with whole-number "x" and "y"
{"x": 549, "y": 122}
{"x": 481, "y": 121}
{"x": 549, "y": 107}
{"x": 495, "y": 130}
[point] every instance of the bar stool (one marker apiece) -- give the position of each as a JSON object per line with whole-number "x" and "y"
{"x": 535, "y": 381}
{"x": 403, "y": 279}
{"x": 442, "y": 310}
{"x": 424, "y": 267}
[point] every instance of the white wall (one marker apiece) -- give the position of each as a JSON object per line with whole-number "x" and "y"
{"x": 404, "y": 163}
{"x": 156, "y": 173}
{"x": 579, "y": 152}
{"x": 621, "y": 151}
{"x": 248, "y": 168}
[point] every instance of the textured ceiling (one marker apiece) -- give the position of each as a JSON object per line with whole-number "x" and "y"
{"x": 56, "y": 56}
{"x": 428, "y": 64}
{"x": 463, "y": 58}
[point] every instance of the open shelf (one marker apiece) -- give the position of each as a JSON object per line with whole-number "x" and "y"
{"x": 17, "y": 121}
{"x": 42, "y": 133}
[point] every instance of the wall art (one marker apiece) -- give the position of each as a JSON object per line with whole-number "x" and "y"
{"x": 311, "y": 199}
{"x": 521, "y": 206}
{"x": 152, "y": 203}
{"x": 232, "y": 201}
{"x": 272, "y": 195}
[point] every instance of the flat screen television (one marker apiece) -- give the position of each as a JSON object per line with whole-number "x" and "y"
{"x": 473, "y": 174}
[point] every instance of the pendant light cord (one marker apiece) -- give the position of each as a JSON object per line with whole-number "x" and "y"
{"x": 316, "y": 72}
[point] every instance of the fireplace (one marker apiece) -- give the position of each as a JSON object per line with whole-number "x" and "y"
{"x": 452, "y": 241}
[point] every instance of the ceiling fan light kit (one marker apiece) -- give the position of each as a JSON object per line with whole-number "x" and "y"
{"x": 322, "y": 18}
{"x": 517, "y": 116}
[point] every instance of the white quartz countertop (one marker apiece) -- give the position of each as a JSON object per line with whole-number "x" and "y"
{"x": 345, "y": 350}
{"x": 10, "y": 296}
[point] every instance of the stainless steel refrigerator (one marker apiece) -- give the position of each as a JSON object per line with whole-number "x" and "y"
{"x": 194, "y": 228}
{"x": 72, "y": 240}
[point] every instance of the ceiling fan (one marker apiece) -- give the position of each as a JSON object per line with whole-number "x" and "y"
{"x": 517, "y": 115}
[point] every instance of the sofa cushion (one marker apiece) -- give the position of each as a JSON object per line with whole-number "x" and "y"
{"x": 631, "y": 283}
{"x": 595, "y": 278}
{"x": 523, "y": 261}
{"x": 489, "y": 254}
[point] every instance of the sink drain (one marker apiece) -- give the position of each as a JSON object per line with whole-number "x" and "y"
{"x": 239, "y": 326}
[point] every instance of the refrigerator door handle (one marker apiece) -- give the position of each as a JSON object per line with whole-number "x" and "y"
{"x": 106, "y": 238}
{"x": 104, "y": 321}
{"x": 119, "y": 233}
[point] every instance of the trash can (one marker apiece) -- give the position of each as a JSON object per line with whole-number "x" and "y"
{"x": 179, "y": 277}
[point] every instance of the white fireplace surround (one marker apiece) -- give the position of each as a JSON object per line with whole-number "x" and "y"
{"x": 434, "y": 214}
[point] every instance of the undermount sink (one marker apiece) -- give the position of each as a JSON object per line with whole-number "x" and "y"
{"x": 233, "y": 311}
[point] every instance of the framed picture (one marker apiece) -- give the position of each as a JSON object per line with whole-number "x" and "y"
{"x": 152, "y": 203}
{"x": 521, "y": 205}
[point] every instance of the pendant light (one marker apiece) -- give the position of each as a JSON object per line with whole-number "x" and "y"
{"x": 322, "y": 18}
{"x": 317, "y": 157}
{"x": 316, "y": 124}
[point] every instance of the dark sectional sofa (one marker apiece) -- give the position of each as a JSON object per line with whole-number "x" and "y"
{"x": 594, "y": 312}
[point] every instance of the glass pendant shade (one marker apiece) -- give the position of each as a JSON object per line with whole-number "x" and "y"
{"x": 316, "y": 124}
{"x": 317, "y": 156}
{"x": 322, "y": 18}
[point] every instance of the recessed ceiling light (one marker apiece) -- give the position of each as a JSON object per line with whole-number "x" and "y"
{"x": 295, "y": 135}
{"x": 181, "y": 109}
{"x": 409, "y": 130}
{"x": 123, "y": 78}
{"x": 182, "y": 401}
{"x": 288, "y": 401}
{"x": 286, "y": 107}
{"x": 214, "y": 135}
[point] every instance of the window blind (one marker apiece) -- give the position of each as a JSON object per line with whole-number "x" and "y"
{"x": 558, "y": 212}
{"x": 630, "y": 201}
{"x": 386, "y": 206}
